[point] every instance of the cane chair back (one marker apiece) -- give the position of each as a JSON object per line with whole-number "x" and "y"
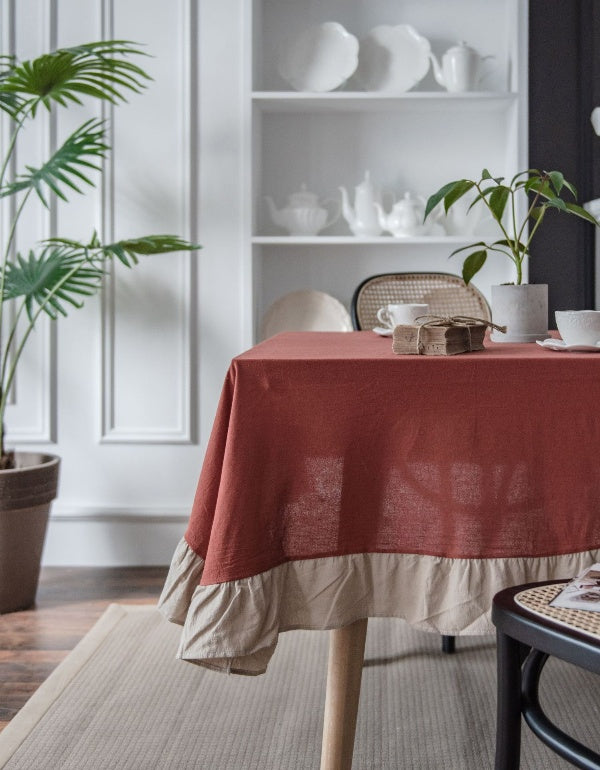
{"x": 445, "y": 293}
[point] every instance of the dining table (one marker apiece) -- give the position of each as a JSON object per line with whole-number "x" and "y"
{"x": 343, "y": 481}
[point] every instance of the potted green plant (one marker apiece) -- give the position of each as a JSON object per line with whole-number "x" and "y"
{"x": 59, "y": 273}
{"x": 523, "y": 308}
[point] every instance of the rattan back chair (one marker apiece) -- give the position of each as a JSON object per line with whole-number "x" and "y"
{"x": 445, "y": 293}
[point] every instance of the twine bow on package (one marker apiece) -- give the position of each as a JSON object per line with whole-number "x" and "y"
{"x": 442, "y": 336}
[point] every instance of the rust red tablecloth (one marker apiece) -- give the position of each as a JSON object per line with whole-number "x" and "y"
{"x": 331, "y": 454}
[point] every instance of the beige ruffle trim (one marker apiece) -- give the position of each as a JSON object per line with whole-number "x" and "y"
{"x": 234, "y": 626}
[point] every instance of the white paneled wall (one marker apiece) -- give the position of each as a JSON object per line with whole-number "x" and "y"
{"x": 125, "y": 390}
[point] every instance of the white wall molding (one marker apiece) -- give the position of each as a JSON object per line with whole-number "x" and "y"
{"x": 120, "y": 513}
{"x": 176, "y": 381}
{"x": 119, "y": 537}
{"x": 31, "y": 410}
{"x": 139, "y": 369}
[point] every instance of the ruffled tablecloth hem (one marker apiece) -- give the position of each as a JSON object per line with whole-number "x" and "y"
{"x": 234, "y": 626}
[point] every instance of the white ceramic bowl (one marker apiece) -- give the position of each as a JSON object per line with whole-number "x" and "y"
{"x": 578, "y": 327}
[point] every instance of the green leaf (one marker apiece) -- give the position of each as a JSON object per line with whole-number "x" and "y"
{"x": 127, "y": 251}
{"x": 470, "y": 246}
{"x": 101, "y": 70}
{"x": 482, "y": 195}
{"x": 540, "y": 186}
{"x": 497, "y": 202}
{"x": 529, "y": 173}
{"x": 457, "y": 192}
{"x": 557, "y": 180}
{"x": 513, "y": 245}
{"x": 537, "y": 212}
{"x": 485, "y": 174}
{"x": 56, "y": 273}
{"x": 571, "y": 188}
{"x": 557, "y": 203}
{"x": 434, "y": 199}
{"x": 82, "y": 150}
{"x": 473, "y": 264}
{"x": 9, "y": 102}
{"x": 579, "y": 211}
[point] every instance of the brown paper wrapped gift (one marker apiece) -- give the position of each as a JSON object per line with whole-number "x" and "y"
{"x": 439, "y": 336}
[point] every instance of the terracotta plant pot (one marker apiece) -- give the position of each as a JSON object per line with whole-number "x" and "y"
{"x": 26, "y": 494}
{"x": 523, "y": 309}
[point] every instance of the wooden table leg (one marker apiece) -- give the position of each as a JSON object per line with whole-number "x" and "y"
{"x": 344, "y": 671}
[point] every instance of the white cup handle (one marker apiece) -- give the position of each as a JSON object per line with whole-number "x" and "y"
{"x": 384, "y": 317}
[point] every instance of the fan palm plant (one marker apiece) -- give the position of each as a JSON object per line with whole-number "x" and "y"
{"x": 60, "y": 272}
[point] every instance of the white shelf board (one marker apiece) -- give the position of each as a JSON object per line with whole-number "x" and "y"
{"x": 351, "y": 240}
{"x": 358, "y": 101}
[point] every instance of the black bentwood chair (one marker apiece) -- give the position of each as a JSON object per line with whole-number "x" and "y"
{"x": 528, "y": 632}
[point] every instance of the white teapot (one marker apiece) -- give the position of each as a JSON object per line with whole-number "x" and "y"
{"x": 363, "y": 218}
{"x": 303, "y": 214}
{"x": 460, "y": 67}
{"x": 406, "y": 217}
{"x": 462, "y": 218}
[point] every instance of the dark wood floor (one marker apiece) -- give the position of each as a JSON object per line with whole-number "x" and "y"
{"x": 69, "y": 601}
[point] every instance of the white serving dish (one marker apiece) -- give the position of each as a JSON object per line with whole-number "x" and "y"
{"x": 320, "y": 59}
{"x": 392, "y": 58}
{"x": 553, "y": 344}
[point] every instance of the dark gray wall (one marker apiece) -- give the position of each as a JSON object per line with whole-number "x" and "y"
{"x": 564, "y": 86}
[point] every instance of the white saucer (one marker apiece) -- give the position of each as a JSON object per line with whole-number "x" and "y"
{"x": 383, "y": 331}
{"x": 554, "y": 344}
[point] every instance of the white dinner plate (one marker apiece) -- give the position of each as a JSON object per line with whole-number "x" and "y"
{"x": 392, "y": 58}
{"x": 305, "y": 310}
{"x": 320, "y": 59}
{"x": 554, "y": 344}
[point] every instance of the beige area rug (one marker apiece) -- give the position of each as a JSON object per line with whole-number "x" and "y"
{"x": 121, "y": 700}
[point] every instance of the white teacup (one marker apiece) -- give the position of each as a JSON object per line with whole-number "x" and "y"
{"x": 578, "y": 327}
{"x": 405, "y": 313}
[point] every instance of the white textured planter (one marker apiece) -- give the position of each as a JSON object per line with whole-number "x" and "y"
{"x": 522, "y": 309}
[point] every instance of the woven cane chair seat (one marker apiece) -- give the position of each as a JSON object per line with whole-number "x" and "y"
{"x": 537, "y": 600}
{"x": 528, "y": 632}
{"x": 445, "y": 293}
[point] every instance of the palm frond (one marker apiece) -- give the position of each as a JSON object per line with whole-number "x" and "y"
{"x": 80, "y": 151}
{"x": 127, "y": 251}
{"x": 9, "y": 102}
{"x": 102, "y": 70}
{"x": 56, "y": 275}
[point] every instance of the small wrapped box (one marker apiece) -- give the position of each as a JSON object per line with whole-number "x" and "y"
{"x": 440, "y": 337}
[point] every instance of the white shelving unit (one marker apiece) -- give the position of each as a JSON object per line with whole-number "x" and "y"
{"x": 414, "y": 141}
